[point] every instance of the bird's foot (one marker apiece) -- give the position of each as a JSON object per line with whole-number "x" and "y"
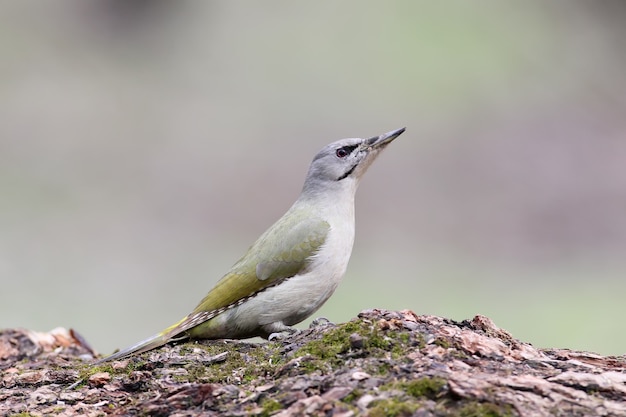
{"x": 279, "y": 331}
{"x": 320, "y": 322}
{"x": 283, "y": 334}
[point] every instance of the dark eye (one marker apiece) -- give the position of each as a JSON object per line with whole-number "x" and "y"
{"x": 342, "y": 153}
{"x": 345, "y": 151}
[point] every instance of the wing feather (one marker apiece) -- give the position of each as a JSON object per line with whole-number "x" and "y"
{"x": 283, "y": 251}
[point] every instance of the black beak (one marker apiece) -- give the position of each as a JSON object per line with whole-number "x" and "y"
{"x": 384, "y": 139}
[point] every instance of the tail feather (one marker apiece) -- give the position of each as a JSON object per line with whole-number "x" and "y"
{"x": 165, "y": 336}
{"x": 150, "y": 343}
{"x": 145, "y": 345}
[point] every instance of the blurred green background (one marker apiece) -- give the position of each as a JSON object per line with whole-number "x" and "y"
{"x": 144, "y": 145}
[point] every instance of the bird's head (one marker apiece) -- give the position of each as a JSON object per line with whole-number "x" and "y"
{"x": 345, "y": 161}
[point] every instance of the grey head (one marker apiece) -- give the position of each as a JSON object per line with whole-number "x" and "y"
{"x": 342, "y": 163}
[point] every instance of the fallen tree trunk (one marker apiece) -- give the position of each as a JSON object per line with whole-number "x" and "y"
{"x": 383, "y": 363}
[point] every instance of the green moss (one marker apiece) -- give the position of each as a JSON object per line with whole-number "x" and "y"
{"x": 276, "y": 358}
{"x": 332, "y": 343}
{"x": 392, "y": 408}
{"x": 88, "y": 370}
{"x": 215, "y": 373}
{"x": 327, "y": 351}
{"x": 269, "y": 407}
{"x": 84, "y": 372}
{"x": 404, "y": 337}
{"x": 477, "y": 409}
{"x": 442, "y": 343}
{"x": 379, "y": 369}
{"x": 244, "y": 364}
{"x": 424, "y": 387}
{"x": 353, "y": 396}
{"x": 197, "y": 373}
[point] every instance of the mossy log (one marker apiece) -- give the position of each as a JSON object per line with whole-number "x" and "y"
{"x": 382, "y": 363}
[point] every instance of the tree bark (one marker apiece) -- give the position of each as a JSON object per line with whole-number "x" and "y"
{"x": 382, "y": 363}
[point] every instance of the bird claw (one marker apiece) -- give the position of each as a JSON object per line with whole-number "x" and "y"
{"x": 320, "y": 322}
{"x": 283, "y": 334}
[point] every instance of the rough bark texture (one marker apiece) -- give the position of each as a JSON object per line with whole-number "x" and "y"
{"x": 383, "y": 363}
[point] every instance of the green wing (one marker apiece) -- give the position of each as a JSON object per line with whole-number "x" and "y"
{"x": 281, "y": 252}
